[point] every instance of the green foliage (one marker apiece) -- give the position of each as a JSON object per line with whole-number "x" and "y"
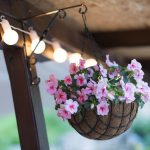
{"x": 9, "y": 133}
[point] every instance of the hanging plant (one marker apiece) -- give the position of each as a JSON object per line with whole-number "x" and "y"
{"x": 100, "y": 102}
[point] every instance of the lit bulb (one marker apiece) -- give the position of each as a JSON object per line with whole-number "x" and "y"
{"x": 40, "y": 48}
{"x": 35, "y": 40}
{"x": 90, "y": 62}
{"x": 60, "y": 55}
{"x": 75, "y": 58}
{"x": 10, "y": 37}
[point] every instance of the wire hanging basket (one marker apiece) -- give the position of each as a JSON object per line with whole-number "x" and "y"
{"x": 93, "y": 126}
{"x": 100, "y": 102}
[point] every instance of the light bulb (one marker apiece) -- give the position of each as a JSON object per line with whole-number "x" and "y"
{"x": 10, "y": 37}
{"x": 75, "y": 58}
{"x": 60, "y": 55}
{"x": 34, "y": 41}
{"x": 40, "y": 48}
{"x": 90, "y": 62}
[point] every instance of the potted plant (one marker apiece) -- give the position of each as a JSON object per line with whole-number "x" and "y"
{"x": 101, "y": 101}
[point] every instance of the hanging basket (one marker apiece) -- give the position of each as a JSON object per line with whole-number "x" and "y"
{"x": 100, "y": 102}
{"x": 93, "y": 126}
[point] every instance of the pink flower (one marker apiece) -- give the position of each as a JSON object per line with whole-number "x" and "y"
{"x": 80, "y": 80}
{"x": 64, "y": 114}
{"x": 122, "y": 82}
{"x": 68, "y": 80}
{"x": 89, "y": 89}
{"x": 138, "y": 74}
{"x": 135, "y": 65}
{"x": 82, "y": 97}
{"x": 102, "y": 108}
{"x": 53, "y": 80}
{"x": 71, "y": 106}
{"x": 60, "y": 96}
{"x": 73, "y": 68}
{"x": 101, "y": 89}
{"x": 102, "y": 71}
{"x": 90, "y": 72}
{"x": 113, "y": 74}
{"x": 52, "y": 84}
{"x": 143, "y": 87}
{"x": 109, "y": 63}
{"x": 146, "y": 97}
{"x": 129, "y": 91}
{"x": 51, "y": 88}
{"x": 82, "y": 64}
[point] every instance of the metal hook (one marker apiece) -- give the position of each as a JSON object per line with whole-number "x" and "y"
{"x": 83, "y": 9}
{"x": 62, "y": 14}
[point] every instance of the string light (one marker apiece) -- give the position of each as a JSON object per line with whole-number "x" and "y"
{"x": 10, "y": 37}
{"x": 60, "y": 55}
{"x": 34, "y": 41}
{"x": 75, "y": 58}
{"x": 90, "y": 62}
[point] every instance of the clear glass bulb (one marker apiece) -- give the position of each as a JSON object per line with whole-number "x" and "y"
{"x": 40, "y": 48}
{"x": 75, "y": 58}
{"x": 60, "y": 55}
{"x": 90, "y": 62}
{"x": 10, "y": 37}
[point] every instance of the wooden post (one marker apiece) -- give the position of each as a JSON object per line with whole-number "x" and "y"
{"x": 27, "y": 101}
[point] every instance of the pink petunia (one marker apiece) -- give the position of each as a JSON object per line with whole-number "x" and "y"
{"x": 101, "y": 89}
{"x": 138, "y": 74}
{"x": 68, "y": 80}
{"x": 51, "y": 88}
{"x": 64, "y": 114}
{"x": 89, "y": 89}
{"x": 129, "y": 91}
{"x": 82, "y": 64}
{"x": 71, "y": 106}
{"x": 103, "y": 71}
{"x": 53, "y": 80}
{"x": 102, "y": 108}
{"x": 52, "y": 84}
{"x": 134, "y": 65}
{"x": 80, "y": 80}
{"x": 143, "y": 87}
{"x": 90, "y": 72}
{"x": 73, "y": 68}
{"x": 109, "y": 63}
{"x": 146, "y": 97}
{"x": 60, "y": 96}
{"x": 82, "y": 97}
{"x": 113, "y": 74}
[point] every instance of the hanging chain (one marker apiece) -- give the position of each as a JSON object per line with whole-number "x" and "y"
{"x": 88, "y": 34}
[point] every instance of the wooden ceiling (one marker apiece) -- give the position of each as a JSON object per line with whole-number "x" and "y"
{"x": 105, "y": 15}
{"x": 114, "y": 23}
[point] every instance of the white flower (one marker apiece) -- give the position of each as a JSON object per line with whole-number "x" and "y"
{"x": 135, "y": 65}
{"x": 109, "y": 63}
{"x": 71, "y": 106}
{"x": 103, "y": 71}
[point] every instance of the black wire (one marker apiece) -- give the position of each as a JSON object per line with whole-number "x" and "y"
{"x": 90, "y": 36}
{"x": 45, "y": 32}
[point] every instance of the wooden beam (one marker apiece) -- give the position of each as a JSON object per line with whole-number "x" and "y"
{"x": 128, "y": 38}
{"x": 27, "y": 101}
{"x": 66, "y": 34}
